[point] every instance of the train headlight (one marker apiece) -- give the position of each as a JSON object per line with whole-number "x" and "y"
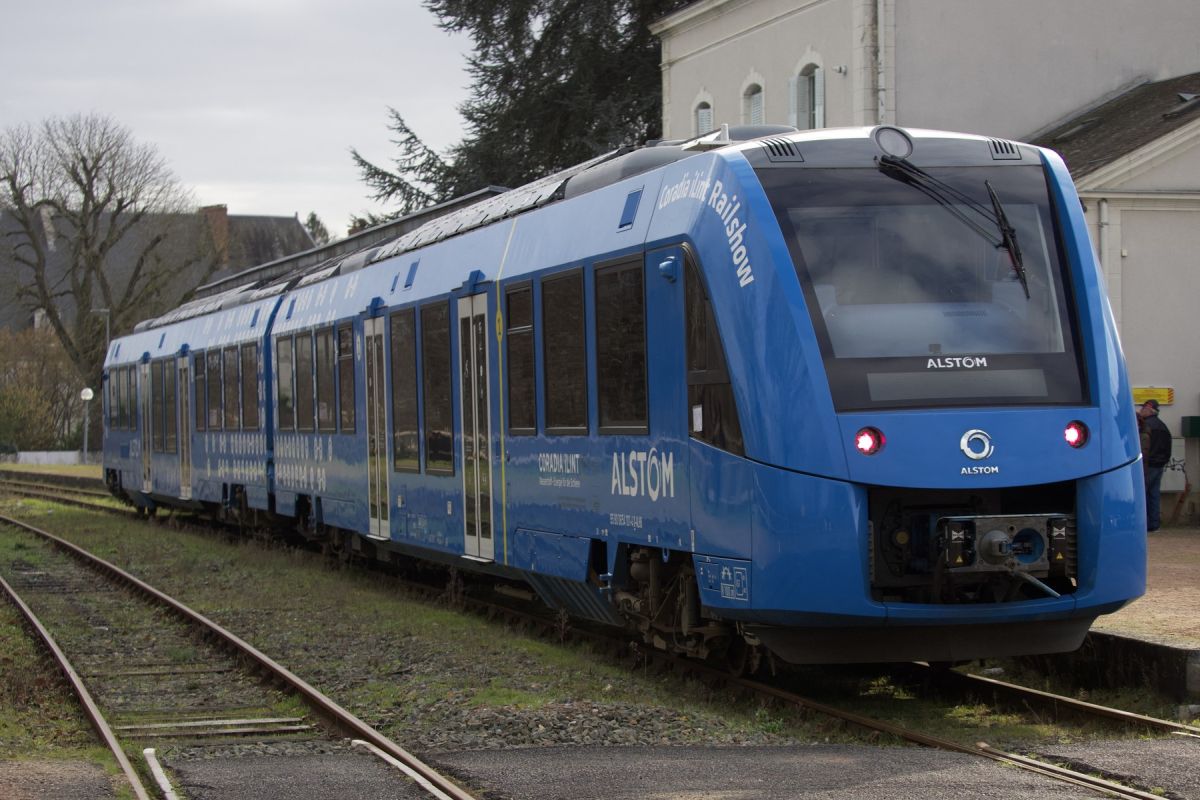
{"x": 1076, "y": 434}
{"x": 869, "y": 441}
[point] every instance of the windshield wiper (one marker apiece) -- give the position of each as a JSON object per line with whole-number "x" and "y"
{"x": 958, "y": 203}
{"x": 1009, "y": 235}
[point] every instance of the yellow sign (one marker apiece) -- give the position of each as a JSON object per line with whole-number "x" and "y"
{"x": 1165, "y": 395}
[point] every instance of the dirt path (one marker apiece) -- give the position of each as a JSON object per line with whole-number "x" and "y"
{"x": 1170, "y": 610}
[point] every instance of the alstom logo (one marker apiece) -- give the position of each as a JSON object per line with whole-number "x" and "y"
{"x": 958, "y": 362}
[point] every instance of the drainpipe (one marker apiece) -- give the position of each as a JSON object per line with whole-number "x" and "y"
{"x": 1102, "y": 232}
{"x": 880, "y": 64}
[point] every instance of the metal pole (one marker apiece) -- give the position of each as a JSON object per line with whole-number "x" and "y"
{"x": 86, "y": 403}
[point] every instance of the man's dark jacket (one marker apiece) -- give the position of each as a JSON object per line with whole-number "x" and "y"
{"x": 1160, "y": 442}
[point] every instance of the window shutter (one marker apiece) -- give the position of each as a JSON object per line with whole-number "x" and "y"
{"x": 818, "y": 87}
{"x": 793, "y": 101}
{"x": 704, "y": 119}
{"x": 756, "y": 108}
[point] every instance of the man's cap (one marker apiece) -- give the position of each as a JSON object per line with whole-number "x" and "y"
{"x": 1152, "y": 403}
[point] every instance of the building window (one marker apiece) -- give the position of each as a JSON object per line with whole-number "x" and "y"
{"x": 287, "y": 395}
{"x": 522, "y": 388}
{"x": 621, "y": 349}
{"x": 214, "y": 389}
{"x": 326, "y": 392}
{"x": 304, "y": 382}
{"x": 345, "y": 377}
{"x": 249, "y": 354}
{"x": 435, "y": 366}
{"x": 752, "y": 105}
{"x": 406, "y": 455}
{"x": 712, "y": 411}
{"x": 564, "y": 356}
{"x": 808, "y": 98}
{"x": 704, "y": 118}
{"x": 233, "y": 389}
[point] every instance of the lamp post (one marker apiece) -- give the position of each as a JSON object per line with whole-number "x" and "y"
{"x": 86, "y": 396}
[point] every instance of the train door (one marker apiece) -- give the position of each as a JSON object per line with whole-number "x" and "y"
{"x": 475, "y": 423}
{"x": 183, "y": 391}
{"x": 144, "y": 405}
{"x": 376, "y": 427}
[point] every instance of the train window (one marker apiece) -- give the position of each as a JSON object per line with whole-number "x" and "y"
{"x": 435, "y": 358}
{"x": 215, "y": 413}
{"x": 249, "y": 354}
{"x": 283, "y": 362}
{"x": 156, "y": 392}
{"x": 201, "y": 393}
{"x": 168, "y": 407}
{"x": 406, "y": 456}
{"x": 522, "y": 388}
{"x": 118, "y": 381}
{"x": 621, "y": 349}
{"x": 109, "y": 414}
{"x": 326, "y": 419}
{"x": 304, "y": 382}
{"x": 131, "y": 396}
{"x": 229, "y": 379}
{"x": 565, "y": 356}
{"x": 345, "y": 377}
{"x": 712, "y": 410}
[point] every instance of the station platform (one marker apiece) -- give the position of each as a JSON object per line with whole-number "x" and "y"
{"x": 1155, "y": 640}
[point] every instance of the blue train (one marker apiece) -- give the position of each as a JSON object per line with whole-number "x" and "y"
{"x": 840, "y": 395}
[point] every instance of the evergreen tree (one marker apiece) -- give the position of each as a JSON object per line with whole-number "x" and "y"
{"x": 316, "y": 229}
{"x": 556, "y": 82}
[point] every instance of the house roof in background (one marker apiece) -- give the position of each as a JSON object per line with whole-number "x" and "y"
{"x": 1101, "y": 135}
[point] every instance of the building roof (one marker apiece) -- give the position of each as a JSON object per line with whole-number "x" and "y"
{"x": 1128, "y": 122}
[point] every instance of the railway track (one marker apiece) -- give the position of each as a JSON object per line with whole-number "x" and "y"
{"x": 154, "y": 671}
{"x": 1009, "y": 693}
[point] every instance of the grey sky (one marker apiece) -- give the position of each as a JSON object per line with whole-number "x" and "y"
{"x": 254, "y": 103}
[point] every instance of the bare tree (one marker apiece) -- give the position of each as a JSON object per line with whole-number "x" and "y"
{"x": 97, "y": 221}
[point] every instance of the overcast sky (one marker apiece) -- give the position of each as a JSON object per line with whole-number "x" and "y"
{"x": 254, "y": 103}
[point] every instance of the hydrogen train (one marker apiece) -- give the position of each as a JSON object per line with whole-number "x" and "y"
{"x": 840, "y": 395}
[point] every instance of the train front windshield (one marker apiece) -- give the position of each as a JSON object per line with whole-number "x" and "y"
{"x": 918, "y": 296}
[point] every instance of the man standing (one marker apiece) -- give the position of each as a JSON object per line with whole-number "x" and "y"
{"x": 1157, "y": 454}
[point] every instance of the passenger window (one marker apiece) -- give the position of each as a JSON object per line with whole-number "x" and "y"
{"x": 249, "y": 355}
{"x": 214, "y": 390}
{"x": 119, "y": 386}
{"x": 168, "y": 407}
{"x": 283, "y": 364}
{"x": 131, "y": 396}
{"x": 345, "y": 376}
{"x": 233, "y": 387}
{"x": 621, "y": 349}
{"x": 326, "y": 419}
{"x": 522, "y": 389}
{"x": 405, "y": 438}
{"x": 201, "y": 393}
{"x": 304, "y": 382}
{"x": 712, "y": 411}
{"x": 156, "y": 387}
{"x": 435, "y": 357}
{"x": 565, "y": 357}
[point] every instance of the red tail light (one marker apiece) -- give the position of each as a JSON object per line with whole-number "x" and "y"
{"x": 1076, "y": 434}
{"x": 868, "y": 441}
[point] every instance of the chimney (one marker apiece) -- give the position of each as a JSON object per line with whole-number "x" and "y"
{"x": 217, "y": 218}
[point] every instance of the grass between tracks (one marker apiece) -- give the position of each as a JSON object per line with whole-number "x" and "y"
{"x": 39, "y": 717}
{"x": 415, "y": 669}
